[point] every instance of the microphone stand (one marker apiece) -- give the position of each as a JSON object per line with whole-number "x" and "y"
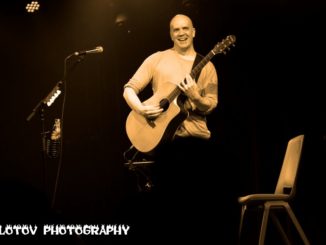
{"x": 40, "y": 107}
{"x": 56, "y": 184}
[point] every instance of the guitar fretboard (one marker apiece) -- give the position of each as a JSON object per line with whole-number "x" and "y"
{"x": 201, "y": 64}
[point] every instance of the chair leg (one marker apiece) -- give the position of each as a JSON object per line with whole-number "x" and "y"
{"x": 243, "y": 211}
{"x": 264, "y": 224}
{"x": 280, "y": 228}
{"x": 296, "y": 224}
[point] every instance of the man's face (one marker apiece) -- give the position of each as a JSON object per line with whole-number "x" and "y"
{"x": 182, "y": 32}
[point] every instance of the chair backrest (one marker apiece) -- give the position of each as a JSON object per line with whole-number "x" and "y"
{"x": 287, "y": 178}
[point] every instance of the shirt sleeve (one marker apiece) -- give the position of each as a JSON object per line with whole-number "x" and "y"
{"x": 208, "y": 85}
{"x": 144, "y": 74}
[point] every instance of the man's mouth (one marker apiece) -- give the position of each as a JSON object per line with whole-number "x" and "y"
{"x": 182, "y": 40}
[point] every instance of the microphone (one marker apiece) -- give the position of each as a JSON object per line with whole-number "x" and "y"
{"x": 98, "y": 49}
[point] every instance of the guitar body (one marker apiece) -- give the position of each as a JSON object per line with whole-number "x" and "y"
{"x": 145, "y": 135}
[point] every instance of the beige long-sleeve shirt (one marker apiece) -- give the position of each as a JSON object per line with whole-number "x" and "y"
{"x": 168, "y": 67}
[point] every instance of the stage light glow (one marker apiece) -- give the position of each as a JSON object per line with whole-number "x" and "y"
{"x": 32, "y": 7}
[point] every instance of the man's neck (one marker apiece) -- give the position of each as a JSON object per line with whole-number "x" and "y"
{"x": 185, "y": 52}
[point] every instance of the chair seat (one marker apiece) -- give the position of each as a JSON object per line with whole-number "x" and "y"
{"x": 259, "y": 197}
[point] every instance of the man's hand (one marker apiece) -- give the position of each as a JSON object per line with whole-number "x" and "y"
{"x": 150, "y": 111}
{"x": 189, "y": 87}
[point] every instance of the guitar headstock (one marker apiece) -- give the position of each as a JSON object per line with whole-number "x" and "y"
{"x": 224, "y": 45}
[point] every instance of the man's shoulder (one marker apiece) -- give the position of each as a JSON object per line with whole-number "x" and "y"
{"x": 159, "y": 54}
{"x": 162, "y": 52}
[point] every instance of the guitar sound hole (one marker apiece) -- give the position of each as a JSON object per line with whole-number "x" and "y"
{"x": 164, "y": 104}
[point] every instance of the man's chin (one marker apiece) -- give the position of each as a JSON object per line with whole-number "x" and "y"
{"x": 184, "y": 47}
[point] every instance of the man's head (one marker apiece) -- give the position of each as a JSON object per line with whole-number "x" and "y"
{"x": 182, "y": 32}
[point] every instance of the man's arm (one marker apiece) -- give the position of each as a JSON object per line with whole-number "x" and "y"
{"x": 190, "y": 88}
{"x": 132, "y": 99}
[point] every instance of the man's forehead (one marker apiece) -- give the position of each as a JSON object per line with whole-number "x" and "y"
{"x": 181, "y": 20}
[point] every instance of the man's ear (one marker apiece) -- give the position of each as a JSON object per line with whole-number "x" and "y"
{"x": 193, "y": 32}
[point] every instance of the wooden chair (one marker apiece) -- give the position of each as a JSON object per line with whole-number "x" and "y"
{"x": 279, "y": 200}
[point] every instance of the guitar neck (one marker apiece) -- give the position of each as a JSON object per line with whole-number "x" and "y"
{"x": 201, "y": 64}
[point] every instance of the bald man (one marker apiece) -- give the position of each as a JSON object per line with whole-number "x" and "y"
{"x": 180, "y": 173}
{"x": 172, "y": 66}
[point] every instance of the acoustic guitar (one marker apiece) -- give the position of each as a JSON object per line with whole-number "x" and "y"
{"x": 146, "y": 135}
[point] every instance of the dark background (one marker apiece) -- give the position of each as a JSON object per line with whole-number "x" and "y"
{"x": 271, "y": 88}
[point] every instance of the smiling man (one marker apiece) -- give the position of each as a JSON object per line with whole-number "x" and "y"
{"x": 170, "y": 68}
{"x": 172, "y": 125}
{"x": 182, "y": 34}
